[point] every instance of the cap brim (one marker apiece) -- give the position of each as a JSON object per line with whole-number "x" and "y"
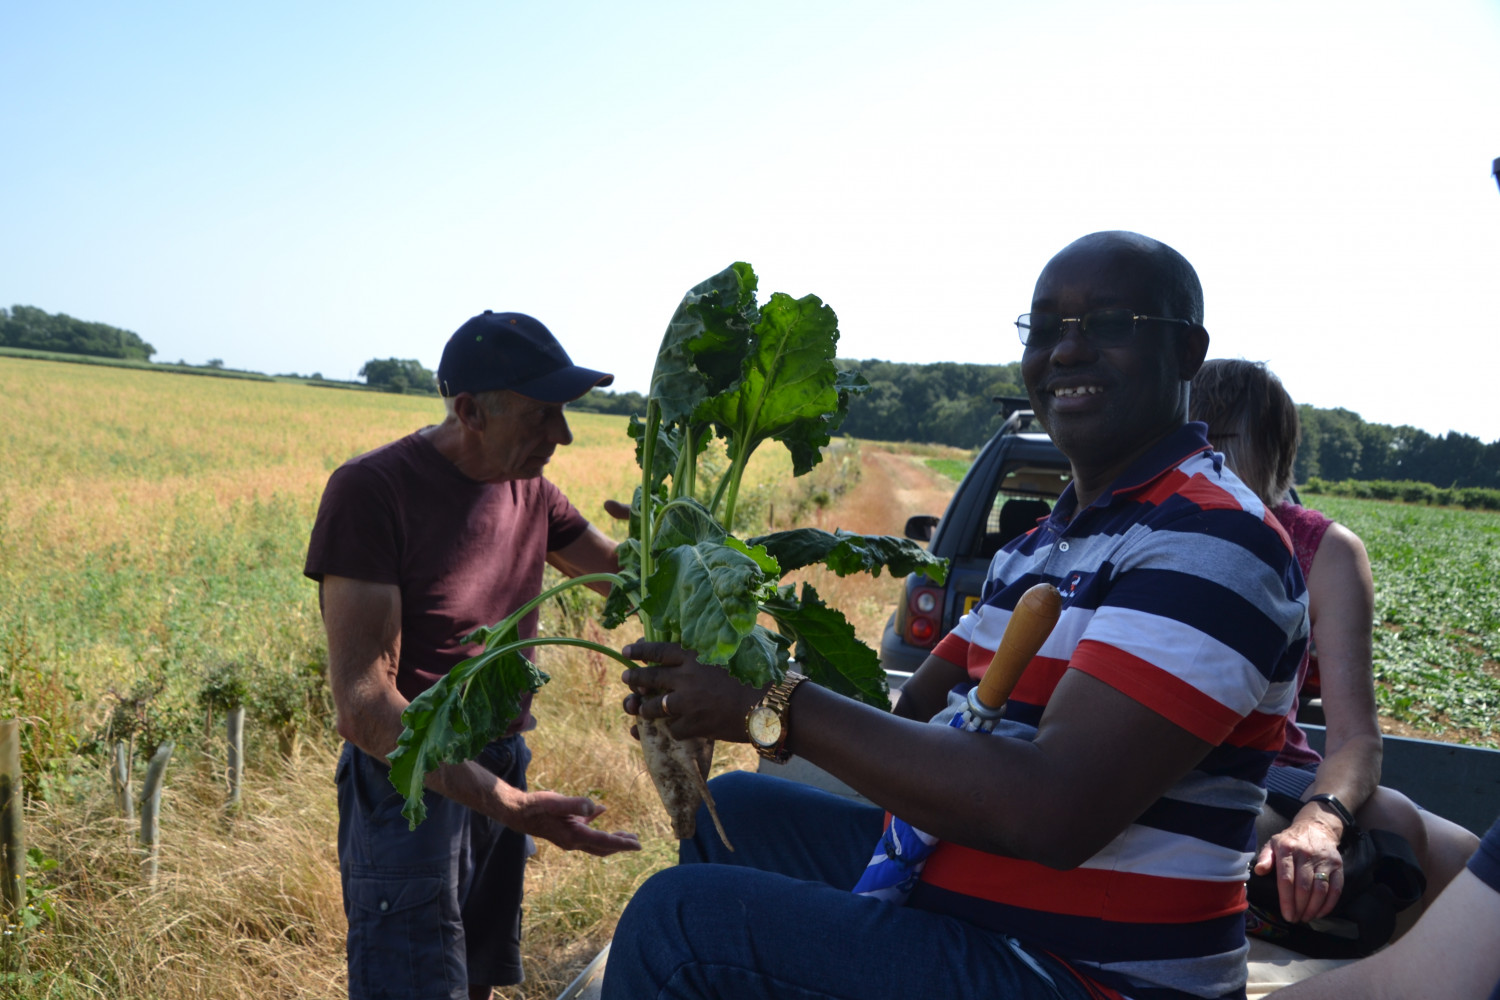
{"x": 563, "y": 386}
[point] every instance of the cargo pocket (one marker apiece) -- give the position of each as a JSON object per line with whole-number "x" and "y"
{"x": 401, "y": 942}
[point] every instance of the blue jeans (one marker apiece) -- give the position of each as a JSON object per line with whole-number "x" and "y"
{"x": 776, "y": 919}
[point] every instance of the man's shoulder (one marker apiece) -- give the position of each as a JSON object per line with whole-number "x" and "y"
{"x": 1204, "y": 482}
{"x": 403, "y": 451}
{"x": 1200, "y": 499}
{"x": 405, "y": 460}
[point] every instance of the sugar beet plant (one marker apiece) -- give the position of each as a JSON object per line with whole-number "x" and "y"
{"x": 748, "y": 374}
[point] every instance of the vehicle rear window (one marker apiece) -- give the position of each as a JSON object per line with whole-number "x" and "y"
{"x": 1025, "y": 494}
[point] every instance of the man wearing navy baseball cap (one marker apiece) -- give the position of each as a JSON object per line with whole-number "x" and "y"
{"x": 512, "y": 351}
{"x": 417, "y": 544}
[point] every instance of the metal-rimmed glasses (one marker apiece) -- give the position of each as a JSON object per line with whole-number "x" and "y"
{"x": 1102, "y": 327}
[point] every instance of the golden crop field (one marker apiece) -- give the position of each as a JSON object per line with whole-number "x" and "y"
{"x": 152, "y": 532}
{"x": 149, "y": 518}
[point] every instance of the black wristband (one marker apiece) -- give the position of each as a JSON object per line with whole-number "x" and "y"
{"x": 1351, "y": 828}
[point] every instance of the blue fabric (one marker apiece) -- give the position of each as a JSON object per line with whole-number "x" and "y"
{"x": 432, "y": 909}
{"x": 776, "y": 919}
{"x": 768, "y": 820}
{"x": 1290, "y": 780}
{"x": 903, "y": 850}
{"x": 1485, "y": 864}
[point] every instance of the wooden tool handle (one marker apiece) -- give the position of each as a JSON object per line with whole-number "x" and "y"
{"x": 1030, "y": 624}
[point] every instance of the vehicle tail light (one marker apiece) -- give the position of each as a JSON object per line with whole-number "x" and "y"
{"x": 924, "y": 617}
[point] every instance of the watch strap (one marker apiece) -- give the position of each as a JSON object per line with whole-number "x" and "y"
{"x": 1351, "y": 828}
{"x": 778, "y": 699}
{"x": 779, "y": 696}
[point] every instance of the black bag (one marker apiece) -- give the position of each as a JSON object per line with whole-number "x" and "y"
{"x": 1381, "y": 878}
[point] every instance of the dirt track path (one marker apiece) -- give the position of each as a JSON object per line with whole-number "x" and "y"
{"x": 891, "y": 488}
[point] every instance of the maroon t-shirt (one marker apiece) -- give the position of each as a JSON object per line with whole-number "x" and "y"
{"x": 465, "y": 554}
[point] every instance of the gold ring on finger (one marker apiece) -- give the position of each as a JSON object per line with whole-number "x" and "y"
{"x": 666, "y": 713}
{"x": 1321, "y": 876}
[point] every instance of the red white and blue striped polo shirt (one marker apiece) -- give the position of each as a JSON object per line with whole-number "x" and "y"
{"x": 1181, "y": 591}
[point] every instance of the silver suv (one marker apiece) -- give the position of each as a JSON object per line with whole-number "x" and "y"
{"x": 1013, "y": 482}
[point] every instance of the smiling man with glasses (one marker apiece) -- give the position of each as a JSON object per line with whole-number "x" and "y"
{"x": 1096, "y": 844}
{"x": 1113, "y": 338}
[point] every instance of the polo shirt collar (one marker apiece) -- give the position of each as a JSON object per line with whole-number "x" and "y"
{"x": 1164, "y": 456}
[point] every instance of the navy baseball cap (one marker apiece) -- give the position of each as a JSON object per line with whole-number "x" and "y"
{"x": 512, "y": 351}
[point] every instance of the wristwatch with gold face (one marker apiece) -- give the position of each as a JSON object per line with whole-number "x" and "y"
{"x": 767, "y": 723}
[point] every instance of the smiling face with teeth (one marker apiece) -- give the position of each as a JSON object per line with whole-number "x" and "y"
{"x": 1106, "y": 406}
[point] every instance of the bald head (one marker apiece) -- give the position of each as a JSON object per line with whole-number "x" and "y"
{"x": 1163, "y": 276}
{"x": 1107, "y": 397}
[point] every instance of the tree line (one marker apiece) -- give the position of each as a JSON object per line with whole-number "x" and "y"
{"x": 33, "y": 329}
{"x": 1339, "y": 445}
{"x": 954, "y": 404}
{"x": 401, "y": 375}
{"x": 942, "y": 403}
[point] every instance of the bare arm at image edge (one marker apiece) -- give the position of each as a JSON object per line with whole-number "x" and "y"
{"x": 1450, "y": 954}
{"x": 363, "y": 621}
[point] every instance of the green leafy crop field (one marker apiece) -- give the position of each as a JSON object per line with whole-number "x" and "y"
{"x": 1437, "y": 613}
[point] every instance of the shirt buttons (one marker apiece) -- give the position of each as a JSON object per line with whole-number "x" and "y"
{"x": 1062, "y": 546}
{"x": 385, "y": 904}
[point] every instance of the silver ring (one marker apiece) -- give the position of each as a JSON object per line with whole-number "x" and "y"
{"x": 666, "y": 714}
{"x": 1320, "y": 876}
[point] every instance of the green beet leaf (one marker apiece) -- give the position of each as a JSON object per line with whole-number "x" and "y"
{"x": 620, "y": 604}
{"x": 453, "y": 720}
{"x": 762, "y": 658}
{"x": 702, "y": 350}
{"x": 805, "y": 439}
{"x": 685, "y": 521}
{"x": 706, "y": 597}
{"x": 827, "y": 650}
{"x": 846, "y": 553}
{"x": 788, "y": 383}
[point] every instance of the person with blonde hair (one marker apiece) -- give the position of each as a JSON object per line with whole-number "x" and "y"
{"x": 1253, "y": 423}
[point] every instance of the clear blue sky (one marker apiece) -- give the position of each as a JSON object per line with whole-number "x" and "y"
{"x": 298, "y": 187}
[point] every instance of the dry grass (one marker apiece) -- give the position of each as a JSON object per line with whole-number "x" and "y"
{"x": 156, "y": 528}
{"x": 243, "y": 907}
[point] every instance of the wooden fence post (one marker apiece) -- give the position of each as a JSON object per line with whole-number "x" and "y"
{"x": 12, "y": 828}
{"x": 119, "y": 774}
{"x": 151, "y": 808}
{"x": 234, "y": 726}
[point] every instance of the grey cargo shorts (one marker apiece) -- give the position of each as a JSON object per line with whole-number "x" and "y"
{"x": 434, "y": 909}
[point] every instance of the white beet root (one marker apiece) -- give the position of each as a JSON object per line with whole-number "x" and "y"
{"x": 679, "y": 769}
